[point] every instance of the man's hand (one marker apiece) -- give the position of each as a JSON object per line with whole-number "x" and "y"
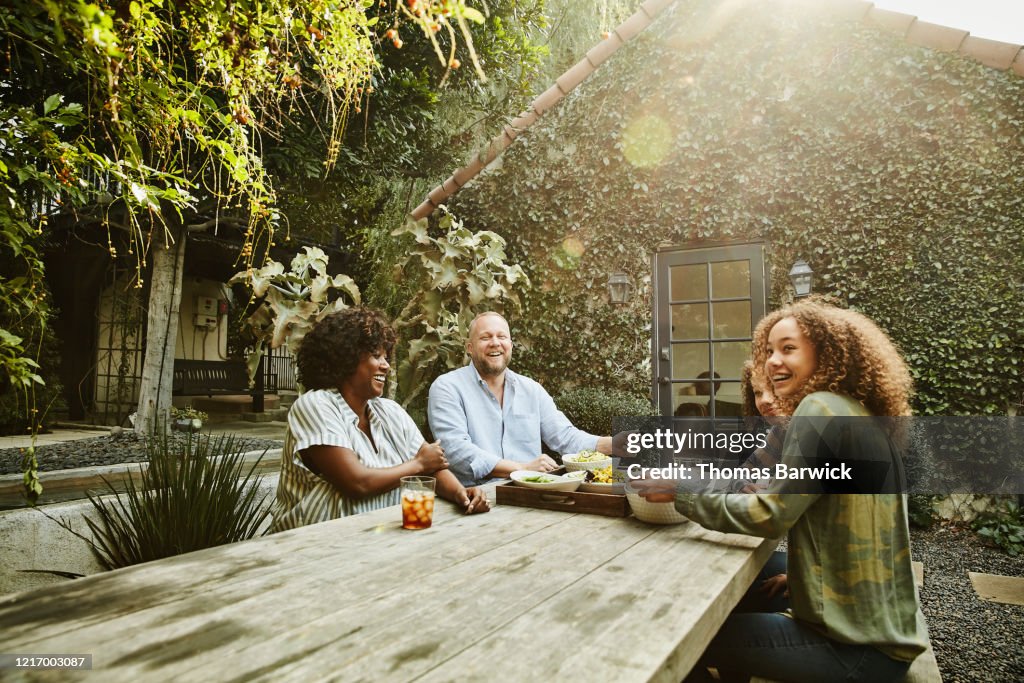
{"x": 431, "y": 457}
{"x": 619, "y": 443}
{"x": 541, "y": 463}
{"x": 473, "y": 500}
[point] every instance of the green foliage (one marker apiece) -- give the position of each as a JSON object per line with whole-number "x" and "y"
{"x": 199, "y": 497}
{"x": 27, "y": 141}
{"x": 415, "y": 124}
{"x": 593, "y": 410}
{"x": 24, "y": 411}
{"x": 1003, "y": 527}
{"x": 292, "y": 301}
{"x": 892, "y": 169}
{"x": 461, "y": 273}
{"x": 921, "y": 511}
{"x": 188, "y": 413}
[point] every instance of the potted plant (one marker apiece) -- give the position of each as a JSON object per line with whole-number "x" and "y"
{"x": 187, "y": 419}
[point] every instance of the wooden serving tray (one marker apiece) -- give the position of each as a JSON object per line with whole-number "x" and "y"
{"x": 606, "y": 504}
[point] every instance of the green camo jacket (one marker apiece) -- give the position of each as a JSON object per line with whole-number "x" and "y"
{"x": 848, "y": 561}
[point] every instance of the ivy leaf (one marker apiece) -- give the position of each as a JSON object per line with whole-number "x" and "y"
{"x": 51, "y": 103}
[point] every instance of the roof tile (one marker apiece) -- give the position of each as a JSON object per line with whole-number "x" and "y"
{"x": 466, "y": 173}
{"x": 423, "y": 210}
{"x": 438, "y": 195}
{"x": 574, "y": 76}
{"x": 936, "y": 37}
{"x": 993, "y": 53}
{"x": 603, "y": 50}
{"x": 897, "y": 22}
{"x": 494, "y": 148}
{"x": 547, "y": 99}
{"x": 851, "y": 9}
{"x": 524, "y": 120}
{"x": 1018, "y": 64}
{"x": 632, "y": 27}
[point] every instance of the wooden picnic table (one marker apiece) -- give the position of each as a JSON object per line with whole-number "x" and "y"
{"x": 517, "y": 594}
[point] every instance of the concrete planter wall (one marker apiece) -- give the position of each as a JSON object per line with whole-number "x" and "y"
{"x": 32, "y": 541}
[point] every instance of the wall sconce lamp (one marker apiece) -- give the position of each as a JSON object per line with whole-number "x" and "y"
{"x": 801, "y": 276}
{"x": 620, "y": 288}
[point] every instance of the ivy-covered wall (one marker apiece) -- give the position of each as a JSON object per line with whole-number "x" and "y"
{"x": 896, "y": 171}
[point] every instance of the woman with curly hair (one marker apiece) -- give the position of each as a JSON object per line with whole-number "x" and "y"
{"x": 760, "y": 404}
{"x": 347, "y": 448}
{"x": 853, "y": 610}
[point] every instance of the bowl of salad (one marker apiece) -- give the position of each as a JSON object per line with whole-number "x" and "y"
{"x": 545, "y": 481}
{"x": 586, "y": 460}
{"x": 604, "y": 480}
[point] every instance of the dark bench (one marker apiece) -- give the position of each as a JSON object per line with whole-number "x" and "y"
{"x": 214, "y": 378}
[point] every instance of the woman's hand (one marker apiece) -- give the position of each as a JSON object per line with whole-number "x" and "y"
{"x": 431, "y": 458}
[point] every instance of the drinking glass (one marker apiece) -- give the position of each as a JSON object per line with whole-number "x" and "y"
{"x": 417, "y": 502}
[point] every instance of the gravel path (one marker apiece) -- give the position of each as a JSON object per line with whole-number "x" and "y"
{"x": 102, "y": 450}
{"x": 974, "y": 640}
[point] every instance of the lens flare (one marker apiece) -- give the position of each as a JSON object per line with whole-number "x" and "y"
{"x": 647, "y": 141}
{"x": 573, "y": 247}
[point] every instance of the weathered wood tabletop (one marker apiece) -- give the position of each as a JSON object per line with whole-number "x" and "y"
{"x": 514, "y": 595}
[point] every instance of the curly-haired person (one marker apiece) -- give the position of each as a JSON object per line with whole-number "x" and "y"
{"x": 347, "y": 448}
{"x": 853, "y": 608}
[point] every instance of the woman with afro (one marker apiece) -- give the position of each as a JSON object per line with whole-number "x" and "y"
{"x": 347, "y": 447}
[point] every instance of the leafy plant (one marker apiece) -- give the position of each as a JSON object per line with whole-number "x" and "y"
{"x": 293, "y": 301}
{"x": 593, "y": 410}
{"x": 460, "y": 273}
{"x": 191, "y": 497}
{"x": 1003, "y": 527}
{"x": 188, "y": 413}
{"x": 921, "y": 510}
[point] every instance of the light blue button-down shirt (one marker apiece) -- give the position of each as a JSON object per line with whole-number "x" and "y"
{"x": 476, "y": 432}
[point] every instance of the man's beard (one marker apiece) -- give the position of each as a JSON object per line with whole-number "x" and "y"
{"x": 487, "y": 370}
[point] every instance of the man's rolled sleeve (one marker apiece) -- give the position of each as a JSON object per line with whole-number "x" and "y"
{"x": 447, "y": 418}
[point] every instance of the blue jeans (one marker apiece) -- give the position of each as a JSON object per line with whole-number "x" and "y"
{"x": 756, "y": 641}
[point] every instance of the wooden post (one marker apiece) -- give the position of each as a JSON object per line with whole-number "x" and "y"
{"x": 257, "y": 390}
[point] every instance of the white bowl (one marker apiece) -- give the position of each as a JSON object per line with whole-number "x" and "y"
{"x": 615, "y": 488}
{"x": 557, "y": 483}
{"x": 576, "y": 474}
{"x": 571, "y": 465}
{"x": 653, "y": 513}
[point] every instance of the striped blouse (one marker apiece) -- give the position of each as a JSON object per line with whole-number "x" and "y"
{"x": 323, "y": 418}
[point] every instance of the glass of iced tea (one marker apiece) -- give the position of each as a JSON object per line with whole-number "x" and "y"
{"x": 417, "y": 502}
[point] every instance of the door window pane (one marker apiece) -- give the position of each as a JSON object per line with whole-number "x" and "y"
{"x": 731, "y": 319}
{"x": 689, "y": 360}
{"x": 688, "y": 282}
{"x": 690, "y": 321}
{"x": 730, "y": 279}
{"x": 729, "y": 358}
{"x": 686, "y": 404}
